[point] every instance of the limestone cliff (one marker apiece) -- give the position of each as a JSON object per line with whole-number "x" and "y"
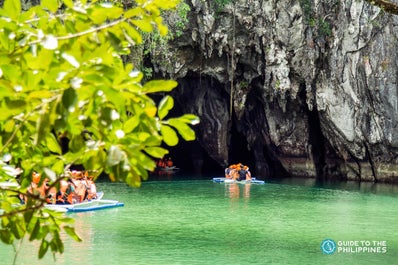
{"x": 311, "y": 85}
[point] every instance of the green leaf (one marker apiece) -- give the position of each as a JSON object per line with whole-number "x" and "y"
{"x": 114, "y": 12}
{"x": 36, "y": 231}
{"x": 169, "y": 135}
{"x": 51, "y": 5}
{"x": 99, "y": 15}
{"x": 58, "y": 167}
{"x": 166, "y": 104}
{"x": 43, "y": 248}
{"x": 135, "y": 12}
{"x": 183, "y": 129}
{"x": 133, "y": 180}
{"x": 6, "y": 236}
{"x": 53, "y": 144}
{"x": 28, "y": 216}
{"x": 69, "y": 98}
{"x": 18, "y": 228}
{"x": 12, "y": 8}
{"x": 76, "y": 143}
{"x": 131, "y": 124}
{"x": 59, "y": 245}
{"x": 157, "y": 152}
{"x": 189, "y": 118}
{"x": 143, "y": 25}
{"x": 169, "y": 4}
{"x": 163, "y": 30}
{"x": 68, "y": 3}
{"x": 72, "y": 233}
{"x": 42, "y": 125}
{"x": 132, "y": 33}
{"x": 159, "y": 86}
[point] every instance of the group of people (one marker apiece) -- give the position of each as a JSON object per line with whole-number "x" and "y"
{"x": 238, "y": 172}
{"x": 164, "y": 163}
{"x": 76, "y": 187}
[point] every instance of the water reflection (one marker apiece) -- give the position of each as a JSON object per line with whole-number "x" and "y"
{"x": 234, "y": 191}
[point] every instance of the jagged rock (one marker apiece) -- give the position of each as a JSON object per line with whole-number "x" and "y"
{"x": 313, "y": 84}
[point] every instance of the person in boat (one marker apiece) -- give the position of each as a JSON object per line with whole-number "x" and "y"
{"x": 238, "y": 172}
{"x": 91, "y": 190}
{"x": 161, "y": 163}
{"x": 66, "y": 193}
{"x": 230, "y": 172}
{"x": 244, "y": 173}
{"x": 227, "y": 172}
{"x": 169, "y": 162}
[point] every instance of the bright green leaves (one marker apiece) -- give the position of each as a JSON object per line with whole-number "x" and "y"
{"x": 180, "y": 124}
{"x": 51, "y": 5}
{"x": 105, "y": 12}
{"x": 11, "y": 8}
{"x": 159, "y": 86}
{"x": 53, "y": 144}
{"x": 63, "y": 83}
{"x": 169, "y": 135}
{"x": 72, "y": 233}
{"x": 186, "y": 132}
{"x": 69, "y": 99}
{"x": 43, "y": 248}
{"x": 166, "y": 104}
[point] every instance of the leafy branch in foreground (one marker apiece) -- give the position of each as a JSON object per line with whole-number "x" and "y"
{"x": 63, "y": 84}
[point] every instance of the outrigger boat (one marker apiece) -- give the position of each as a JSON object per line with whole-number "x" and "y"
{"x": 228, "y": 180}
{"x": 93, "y": 205}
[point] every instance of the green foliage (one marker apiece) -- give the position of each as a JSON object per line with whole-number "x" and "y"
{"x": 310, "y": 18}
{"x": 156, "y": 46}
{"x": 182, "y": 21}
{"x": 220, "y": 4}
{"x": 307, "y": 8}
{"x": 62, "y": 77}
{"x": 324, "y": 28}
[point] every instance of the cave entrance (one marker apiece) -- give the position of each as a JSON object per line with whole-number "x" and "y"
{"x": 192, "y": 159}
{"x": 238, "y": 148}
{"x": 189, "y": 156}
{"x": 315, "y": 137}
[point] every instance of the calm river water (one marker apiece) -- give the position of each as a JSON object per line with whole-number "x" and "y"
{"x": 201, "y": 222}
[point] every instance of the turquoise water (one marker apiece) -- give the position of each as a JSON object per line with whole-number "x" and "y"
{"x": 201, "y": 222}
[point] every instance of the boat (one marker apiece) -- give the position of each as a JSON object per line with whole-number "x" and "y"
{"x": 93, "y": 205}
{"x": 227, "y": 180}
{"x": 168, "y": 169}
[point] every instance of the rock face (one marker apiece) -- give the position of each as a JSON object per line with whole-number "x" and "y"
{"x": 310, "y": 85}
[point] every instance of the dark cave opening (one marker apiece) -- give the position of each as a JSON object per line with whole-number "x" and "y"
{"x": 189, "y": 156}
{"x": 315, "y": 138}
{"x": 238, "y": 148}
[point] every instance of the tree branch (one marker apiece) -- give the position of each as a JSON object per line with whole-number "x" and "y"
{"x": 79, "y": 34}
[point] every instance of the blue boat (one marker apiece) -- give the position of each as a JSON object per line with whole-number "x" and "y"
{"x": 93, "y": 205}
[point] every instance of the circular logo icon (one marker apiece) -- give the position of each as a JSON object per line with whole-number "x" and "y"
{"x": 328, "y": 246}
